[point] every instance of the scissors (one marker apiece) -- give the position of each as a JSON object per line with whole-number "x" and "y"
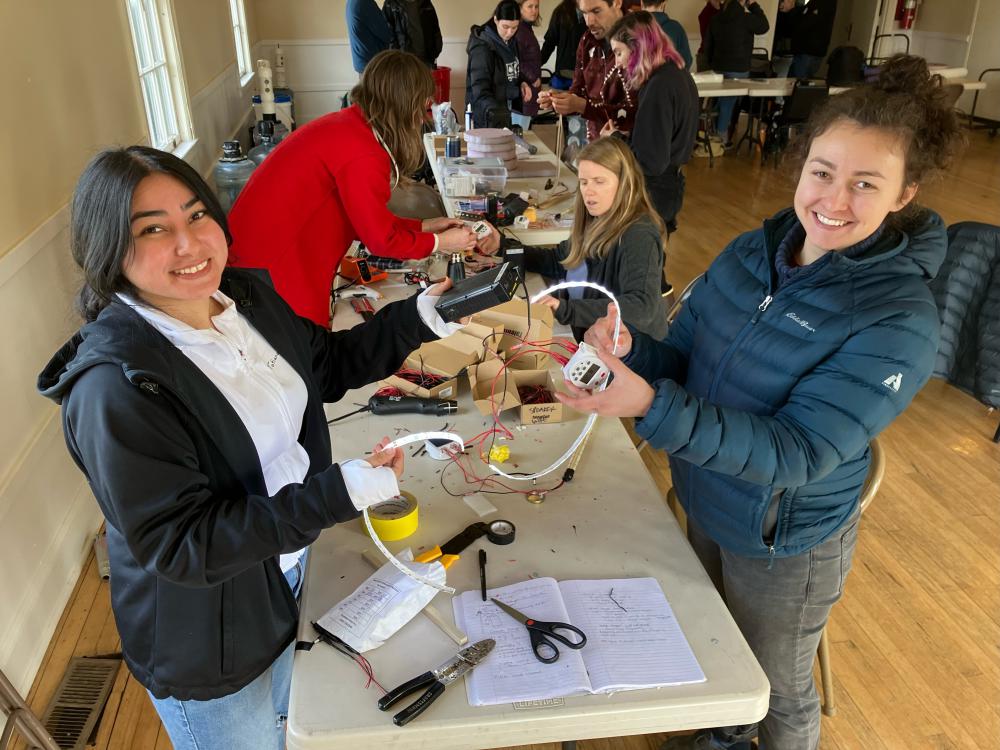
{"x": 545, "y": 650}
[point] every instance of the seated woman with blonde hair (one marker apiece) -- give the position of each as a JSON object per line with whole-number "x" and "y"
{"x": 617, "y": 242}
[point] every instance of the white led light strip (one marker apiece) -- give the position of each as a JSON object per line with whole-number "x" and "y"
{"x": 399, "y": 443}
{"x": 593, "y": 417}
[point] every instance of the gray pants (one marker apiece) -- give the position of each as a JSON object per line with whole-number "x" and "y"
{"x": 781, "y": 607}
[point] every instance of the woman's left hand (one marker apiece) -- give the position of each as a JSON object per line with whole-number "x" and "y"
{"x": 440, "y": 224}
{"x": 549, "y": 301}
{"x": 525, "y": 92}
{"x": 489, "y": 245}
{"x": 627, "y": 396}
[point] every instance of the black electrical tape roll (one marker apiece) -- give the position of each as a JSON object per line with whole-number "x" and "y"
{"x": 501, "y": 532}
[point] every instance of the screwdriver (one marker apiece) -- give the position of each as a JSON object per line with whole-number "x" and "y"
{"x": 403, "y": 405}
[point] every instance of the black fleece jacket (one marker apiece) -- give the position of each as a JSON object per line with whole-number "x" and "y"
{"x": 730, "y": 36}
{"x": 493, "y": 77}
{"x": 198, "y": 596}
{"x": 631, "y": 270}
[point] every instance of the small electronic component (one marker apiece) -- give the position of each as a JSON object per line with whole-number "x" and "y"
{"x": 481, "y": 230}
{"x": 585, "y": 369}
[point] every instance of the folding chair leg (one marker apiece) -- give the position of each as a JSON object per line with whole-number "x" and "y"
{"x": 826, "y": 675}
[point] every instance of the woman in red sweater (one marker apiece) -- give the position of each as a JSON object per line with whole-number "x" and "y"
{"x": 328, "y": 184}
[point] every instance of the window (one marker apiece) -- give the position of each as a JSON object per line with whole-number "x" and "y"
{"x": 163, "y": 92}
{"x": 239, "y": 15}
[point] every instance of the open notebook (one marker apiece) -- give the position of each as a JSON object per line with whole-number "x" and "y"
{"x": 633, "y": 640}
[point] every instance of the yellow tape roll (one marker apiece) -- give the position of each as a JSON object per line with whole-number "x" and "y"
{"x": 395, "y": 519}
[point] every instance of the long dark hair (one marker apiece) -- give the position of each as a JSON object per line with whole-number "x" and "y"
{"x": 101, "y": 211}
{"x": 906, "y": 101}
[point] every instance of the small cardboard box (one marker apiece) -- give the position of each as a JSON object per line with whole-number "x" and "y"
{"x": 447, "y": 357}
{"x": 512, "y": 318}
{"x": 481, "y": 379}
{"x": 546, "y": 413}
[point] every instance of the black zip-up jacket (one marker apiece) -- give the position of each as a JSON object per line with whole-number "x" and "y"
{"x": 563, "y": 35}
{"x": 198, "y": 595}
{"x": 493, "y": 77}
{"x": 730, "y": 36}
{"x": 399, "y": 24}
{"x": 813, "y": 27}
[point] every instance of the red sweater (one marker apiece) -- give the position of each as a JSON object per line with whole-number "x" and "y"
{"x": 325, "y": 186}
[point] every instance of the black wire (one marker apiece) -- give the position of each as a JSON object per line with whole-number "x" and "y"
{"x": 349, "y": 414}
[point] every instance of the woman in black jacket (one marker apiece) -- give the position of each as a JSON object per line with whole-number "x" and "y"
{"x": 666, "y": 121}
{"x": 494, "y": 82}
{"x": 616, "y": 242}
{"x": 563, "y": 37}
{"x": 729, "y": 47}
{"x": 192, "y": 400}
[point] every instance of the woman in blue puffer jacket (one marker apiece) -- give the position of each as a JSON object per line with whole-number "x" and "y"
{"x": 802, "y": 342}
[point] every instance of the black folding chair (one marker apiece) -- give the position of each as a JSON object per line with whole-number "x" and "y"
{"x": 805, "y": 97}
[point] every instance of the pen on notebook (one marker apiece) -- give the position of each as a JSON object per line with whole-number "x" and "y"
{"x": 482, "y": 572}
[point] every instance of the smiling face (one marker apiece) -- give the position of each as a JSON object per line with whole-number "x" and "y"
{"x": 622, "y": 53}
{"x": 179, "y": 250}
{"x": 598, "y": 187}
{"x": 599, "y": 15}
{"x": 506, "y": 29}
{"x": 851, "y": 181}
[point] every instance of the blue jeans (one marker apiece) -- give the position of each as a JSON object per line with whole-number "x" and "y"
{"x": 726, "y": 106}
{"x": 781, "y": 607}
{"x": 251, "y": 719}
{"x": 805, "y": 66}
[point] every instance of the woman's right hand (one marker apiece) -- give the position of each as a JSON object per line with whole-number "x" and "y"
{"x": 392, "y": 459}
{"x": 457, "y": 238}
{"x": 600, "y": 335}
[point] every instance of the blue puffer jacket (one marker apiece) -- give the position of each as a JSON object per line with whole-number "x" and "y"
{"x": 767, "y": 397}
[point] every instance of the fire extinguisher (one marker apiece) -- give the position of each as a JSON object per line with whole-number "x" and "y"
{"x": 906, "y": 13}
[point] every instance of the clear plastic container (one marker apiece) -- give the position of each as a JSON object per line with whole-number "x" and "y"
{"x": 477, "y": 176}
{"x": 231, "y": 173}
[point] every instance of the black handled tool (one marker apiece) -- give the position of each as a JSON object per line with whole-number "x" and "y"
{"x": 403, "y": 405}
{"x": 435, "y": 681}
{"x": 540, "y": 632}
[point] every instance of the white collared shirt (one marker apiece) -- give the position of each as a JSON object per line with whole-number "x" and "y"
{"x": 268, "y": 395}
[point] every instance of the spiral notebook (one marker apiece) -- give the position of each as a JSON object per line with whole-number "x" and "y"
{"x": 633, "y": 640}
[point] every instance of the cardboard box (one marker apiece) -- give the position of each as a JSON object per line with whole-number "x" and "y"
{"x": 481, "y": 380}
{"x": 547, "y": 413}
{"x": 512, "y": 318}
{"x": 447, "y": 357}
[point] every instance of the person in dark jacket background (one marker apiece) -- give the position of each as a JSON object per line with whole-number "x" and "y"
{"x": 813, "y": 27}
{"x": 529, "y": 55}
{"x": 617, "y": 241}
{"x": 666, "y": 121}
{"x": 192, "y": 400}
{"x": 563, "y": 37}
{"x": 415, "y": 28}
{"x": 800, "y": 344}
{"x": 495, "y": 83}
{"x": 367, "y": 31}
{"x": 711, "y": 9}
{"x": 599, "y": 91}
{"x": 674, "y": 31}
{"x": 729, "y": 46}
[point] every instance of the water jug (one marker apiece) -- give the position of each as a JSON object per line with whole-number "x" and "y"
{"x": 231, "y": 173}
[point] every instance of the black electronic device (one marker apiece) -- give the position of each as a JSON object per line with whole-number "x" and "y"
{"x": 515, "y": 256}
{"x": 480, "y": 292}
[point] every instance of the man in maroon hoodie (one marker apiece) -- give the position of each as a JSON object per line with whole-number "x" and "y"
{"x": 599, "y": 91}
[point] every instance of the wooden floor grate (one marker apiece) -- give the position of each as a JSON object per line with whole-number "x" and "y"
{"x": 76, "y": 706}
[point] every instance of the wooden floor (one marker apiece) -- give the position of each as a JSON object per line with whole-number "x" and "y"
{"x": 916, "y": 639}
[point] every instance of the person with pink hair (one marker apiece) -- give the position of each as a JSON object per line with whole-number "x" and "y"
{"x": 666, "y": 121}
